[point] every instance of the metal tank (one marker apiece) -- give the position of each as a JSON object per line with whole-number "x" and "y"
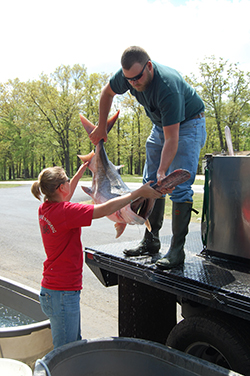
{"x": 227, "y": 206}
{"x": 24, "y": 343}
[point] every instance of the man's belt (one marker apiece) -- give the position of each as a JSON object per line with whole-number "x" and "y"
{"x": 200, "y": 115}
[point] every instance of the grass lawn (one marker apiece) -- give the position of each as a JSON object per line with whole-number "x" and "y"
{"x": 198, "y": 197}
{"x": 136, "y": 179}
{"x": 9, "y": 185}
{"x": 197, "y": 205}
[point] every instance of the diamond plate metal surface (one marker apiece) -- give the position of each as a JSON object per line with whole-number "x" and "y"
{"x": 213, "y": 273}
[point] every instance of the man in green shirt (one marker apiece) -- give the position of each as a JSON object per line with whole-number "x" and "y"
{"x": 177, "y": 136}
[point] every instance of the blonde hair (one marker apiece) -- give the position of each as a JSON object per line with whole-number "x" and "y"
{"x": 48, "y": 181}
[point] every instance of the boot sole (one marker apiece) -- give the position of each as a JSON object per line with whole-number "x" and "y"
{"x": 130, "y": 254}
{"x": 170, "y": 266}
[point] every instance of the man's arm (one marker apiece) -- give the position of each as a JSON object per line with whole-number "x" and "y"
{"x": 169, "y": 150}
{"x": 106, "y": 99}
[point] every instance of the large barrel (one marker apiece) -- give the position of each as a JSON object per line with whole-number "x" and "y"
{"x": 122, "y": 357}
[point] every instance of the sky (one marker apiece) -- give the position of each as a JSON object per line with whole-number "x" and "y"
{"x": 39, "y": 36}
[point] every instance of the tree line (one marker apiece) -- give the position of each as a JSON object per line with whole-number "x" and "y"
{"x": 40, "y": 124}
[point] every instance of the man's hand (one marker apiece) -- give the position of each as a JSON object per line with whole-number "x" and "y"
{"x": 160, "y": 175}
{"x": 97, "y": 135}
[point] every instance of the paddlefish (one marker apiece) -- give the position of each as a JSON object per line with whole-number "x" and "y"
{"x": 107, "y": 183}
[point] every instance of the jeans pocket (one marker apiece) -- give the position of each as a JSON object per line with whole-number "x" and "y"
{"x": 46, "y": 303}
{"x": 71, "y": 301}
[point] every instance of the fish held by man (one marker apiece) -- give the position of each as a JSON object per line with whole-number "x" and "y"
{"x": 107, "y": 183}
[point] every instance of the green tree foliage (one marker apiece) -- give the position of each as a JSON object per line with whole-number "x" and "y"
{"x": 93, "y": 85}
{"x": 58, "y": 100}
{"x": 136, "y": 120}
{"x": 40, "y": 124}
{"x": 129, "y": 135}
{"x": 225, "y": 89}
{"x": 16, "y": 130}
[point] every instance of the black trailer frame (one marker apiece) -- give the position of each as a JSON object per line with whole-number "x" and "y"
{"x": 204, "y": 282}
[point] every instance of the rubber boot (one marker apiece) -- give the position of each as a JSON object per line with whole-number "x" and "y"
{"x": 181, "y": 214}
{"x": 150, "y": 244}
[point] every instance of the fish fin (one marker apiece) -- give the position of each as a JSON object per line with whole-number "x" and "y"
{"x": 88, "y": 157}
{"x": 175, "y": 178}
{"x": 87, "y": 190}
{"x": 148, "y": 225}
{"x": 120, "y": 227}
{"x": 89, "y": 127}
{"x": 111, "y": 121}
{"x": 119, "y": 167}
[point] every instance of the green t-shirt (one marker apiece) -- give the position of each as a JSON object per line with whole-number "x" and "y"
{"x": 168, "y": 100}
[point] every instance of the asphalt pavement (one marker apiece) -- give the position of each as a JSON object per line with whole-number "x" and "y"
{"x": 22, "y": 253}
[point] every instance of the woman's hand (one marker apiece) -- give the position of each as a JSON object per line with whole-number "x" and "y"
{"x": 147, "y": 191}
{"x": 82, "y": 169}
{"x": 74, "y": 181}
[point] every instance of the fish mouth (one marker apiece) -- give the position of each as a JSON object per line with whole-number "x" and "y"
{"x": 142, "y": 207}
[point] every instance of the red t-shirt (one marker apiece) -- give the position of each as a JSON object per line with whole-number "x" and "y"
{"x": 60, "y": 224}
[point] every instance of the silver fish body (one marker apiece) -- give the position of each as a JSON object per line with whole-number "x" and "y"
{"x": 107, "y": 183}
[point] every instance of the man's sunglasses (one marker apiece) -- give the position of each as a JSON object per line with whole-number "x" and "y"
{"x": 136, "y": 78}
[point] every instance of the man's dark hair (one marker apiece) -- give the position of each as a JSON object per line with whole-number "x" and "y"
{"x": 134, "y": 55}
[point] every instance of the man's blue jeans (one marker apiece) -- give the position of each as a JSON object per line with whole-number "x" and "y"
{"x": 63, "y": 310}
{"x": 192, "y": 138}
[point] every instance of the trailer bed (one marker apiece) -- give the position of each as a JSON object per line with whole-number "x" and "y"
{"x": 204, "y": 278}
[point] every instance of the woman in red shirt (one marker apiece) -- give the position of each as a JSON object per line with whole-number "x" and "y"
{"x": 60, "y": 223}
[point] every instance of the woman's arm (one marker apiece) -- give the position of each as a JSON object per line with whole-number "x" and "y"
{"x": 111, "y": 206}
{"x": 74, "y": 181}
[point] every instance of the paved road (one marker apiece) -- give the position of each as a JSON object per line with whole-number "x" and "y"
{"x": 22, "y": 254}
